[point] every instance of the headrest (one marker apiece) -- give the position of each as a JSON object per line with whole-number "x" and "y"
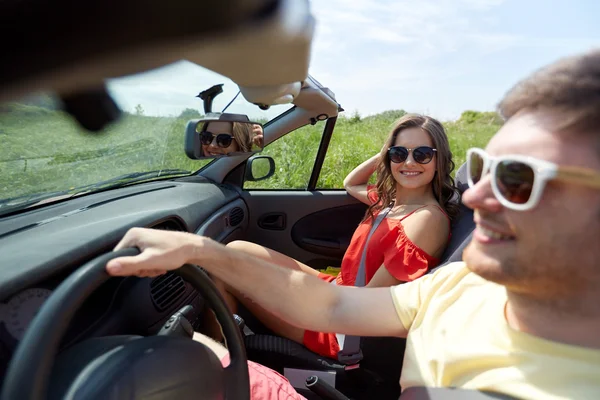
{"x": 461, "y": 179}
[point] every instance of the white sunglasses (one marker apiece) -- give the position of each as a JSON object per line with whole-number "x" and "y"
{"x": 518, "y": 181}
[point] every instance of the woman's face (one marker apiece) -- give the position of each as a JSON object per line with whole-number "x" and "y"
{"x": 215, "y": 146}
{"x": 411, "y": 174}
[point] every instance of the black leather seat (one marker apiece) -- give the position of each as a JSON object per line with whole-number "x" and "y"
{"x": 462, "y": 228}
{"x": 382, "y": 356}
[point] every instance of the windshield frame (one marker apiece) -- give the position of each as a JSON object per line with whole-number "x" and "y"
{"x": 33, "y": 176}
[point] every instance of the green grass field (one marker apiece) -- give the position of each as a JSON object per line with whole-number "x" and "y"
{"x": 44, "y": 150}
{"x": 354, "y": 140}
{"x": 47, "y": 151}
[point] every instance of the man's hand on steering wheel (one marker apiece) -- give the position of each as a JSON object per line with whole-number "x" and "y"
{"x": 160, "y": 251}
{"x": 132, "y": 364}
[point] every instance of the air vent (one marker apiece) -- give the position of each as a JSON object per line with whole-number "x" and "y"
{"x": 166, "y": 290}
{"x": 168, "y": 225}
{"x": 236, "y": 216}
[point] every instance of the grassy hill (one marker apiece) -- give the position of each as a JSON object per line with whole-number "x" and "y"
{"x": 48, "y": 151}
{"x": 354, "y": 140}
{"x": 45, "y": 150}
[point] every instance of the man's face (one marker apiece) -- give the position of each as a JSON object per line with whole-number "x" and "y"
{"x": 553, "y": 248}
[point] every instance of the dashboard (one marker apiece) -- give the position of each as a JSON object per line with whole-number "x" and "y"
{"x": 40, "y": 248}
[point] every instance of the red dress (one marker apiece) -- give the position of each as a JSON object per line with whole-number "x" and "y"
{"x": 389, "y": 246}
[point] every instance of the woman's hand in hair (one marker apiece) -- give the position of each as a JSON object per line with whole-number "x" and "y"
{"x": 357, "y": 180}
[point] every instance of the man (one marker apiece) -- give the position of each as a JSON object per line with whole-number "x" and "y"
{"x": 520, "y": 315}
{"x": 265, "y": 384}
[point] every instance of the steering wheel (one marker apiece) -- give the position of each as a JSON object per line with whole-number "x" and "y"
{"x": 119, "y": 367}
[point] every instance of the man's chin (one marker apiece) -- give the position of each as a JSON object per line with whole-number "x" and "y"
{"x": 484, "y": 262}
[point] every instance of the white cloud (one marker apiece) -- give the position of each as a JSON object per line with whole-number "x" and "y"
{"x": 171, "y": 89}
{"x": 420, "y": 55}
{"x": 438, "y": 25}
{"x": 487, "y": 43}
{"x": 387, "y": 35}
{"x": 408, "y": 51}
{"x": 482, "y": 4}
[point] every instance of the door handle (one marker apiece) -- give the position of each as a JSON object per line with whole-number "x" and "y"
{"x": 328, "y": 244}
{"x": 272, "y": 221}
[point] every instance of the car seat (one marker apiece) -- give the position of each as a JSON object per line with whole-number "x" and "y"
{"x": 378, "y": 373}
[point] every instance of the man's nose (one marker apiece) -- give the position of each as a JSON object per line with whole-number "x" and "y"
{"x": 480, "y": 196}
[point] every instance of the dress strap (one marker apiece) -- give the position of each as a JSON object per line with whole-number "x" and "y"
{"x": 413, "y": 211}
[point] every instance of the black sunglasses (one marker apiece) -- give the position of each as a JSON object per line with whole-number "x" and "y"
{"x": 421, "y": 154}
{"x": 223, "y": 139}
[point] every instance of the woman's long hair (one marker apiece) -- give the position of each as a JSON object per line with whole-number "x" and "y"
{"x": 443, "y": 185}
{"x": 242, "y": 132}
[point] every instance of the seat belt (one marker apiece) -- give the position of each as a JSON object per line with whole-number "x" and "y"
{"x": 351, "y": 352}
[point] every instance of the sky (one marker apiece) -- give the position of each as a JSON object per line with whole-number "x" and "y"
{"x": 439, "y": 57}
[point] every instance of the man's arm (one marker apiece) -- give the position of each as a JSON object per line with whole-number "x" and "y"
{"x": 301, "y": 299}
{"x": 295, "y": 297}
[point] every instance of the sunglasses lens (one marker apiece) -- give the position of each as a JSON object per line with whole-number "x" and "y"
{"x": 398, "y": 154}
{"x": 423, "y": 155}
{"x": 515, "y": 181}
{"x": 224, "y": 140}
{"x": 475, "y": 167}
{"x": 206, "y": 138}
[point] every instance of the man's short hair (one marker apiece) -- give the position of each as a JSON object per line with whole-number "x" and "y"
{"x": 569, "y": 88}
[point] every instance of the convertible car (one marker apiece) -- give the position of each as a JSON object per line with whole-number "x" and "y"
{"x": 84, "y": 157}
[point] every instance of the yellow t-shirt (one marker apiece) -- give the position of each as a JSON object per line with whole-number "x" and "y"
{"x": 458, "y": 336}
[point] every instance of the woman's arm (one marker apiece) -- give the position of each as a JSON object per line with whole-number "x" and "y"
{"x": 357, "y": 180}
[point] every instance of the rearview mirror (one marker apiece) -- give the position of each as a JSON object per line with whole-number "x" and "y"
{"x": 223, "y": 134}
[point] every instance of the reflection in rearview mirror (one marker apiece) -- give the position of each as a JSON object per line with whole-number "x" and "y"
{"x": 222, "y": 138}
{"x": 221, "y": 134}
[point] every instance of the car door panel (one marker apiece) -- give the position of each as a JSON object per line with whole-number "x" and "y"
{"x": 328, "y": 232}
{"x": 313, "y": 227}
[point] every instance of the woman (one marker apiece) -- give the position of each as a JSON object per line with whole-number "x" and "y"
{"x": 413, "y": 177}
{"x": 220, "y": 138}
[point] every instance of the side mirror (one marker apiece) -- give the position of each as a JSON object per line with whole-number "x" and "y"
{"x": 259, "y": 168}
{"x": 222, "y": 135}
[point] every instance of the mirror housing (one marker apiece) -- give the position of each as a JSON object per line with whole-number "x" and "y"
{"x": 222, "y": 134}
{"x": 259, "y": 168}
{"x": 265, "y": 96}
